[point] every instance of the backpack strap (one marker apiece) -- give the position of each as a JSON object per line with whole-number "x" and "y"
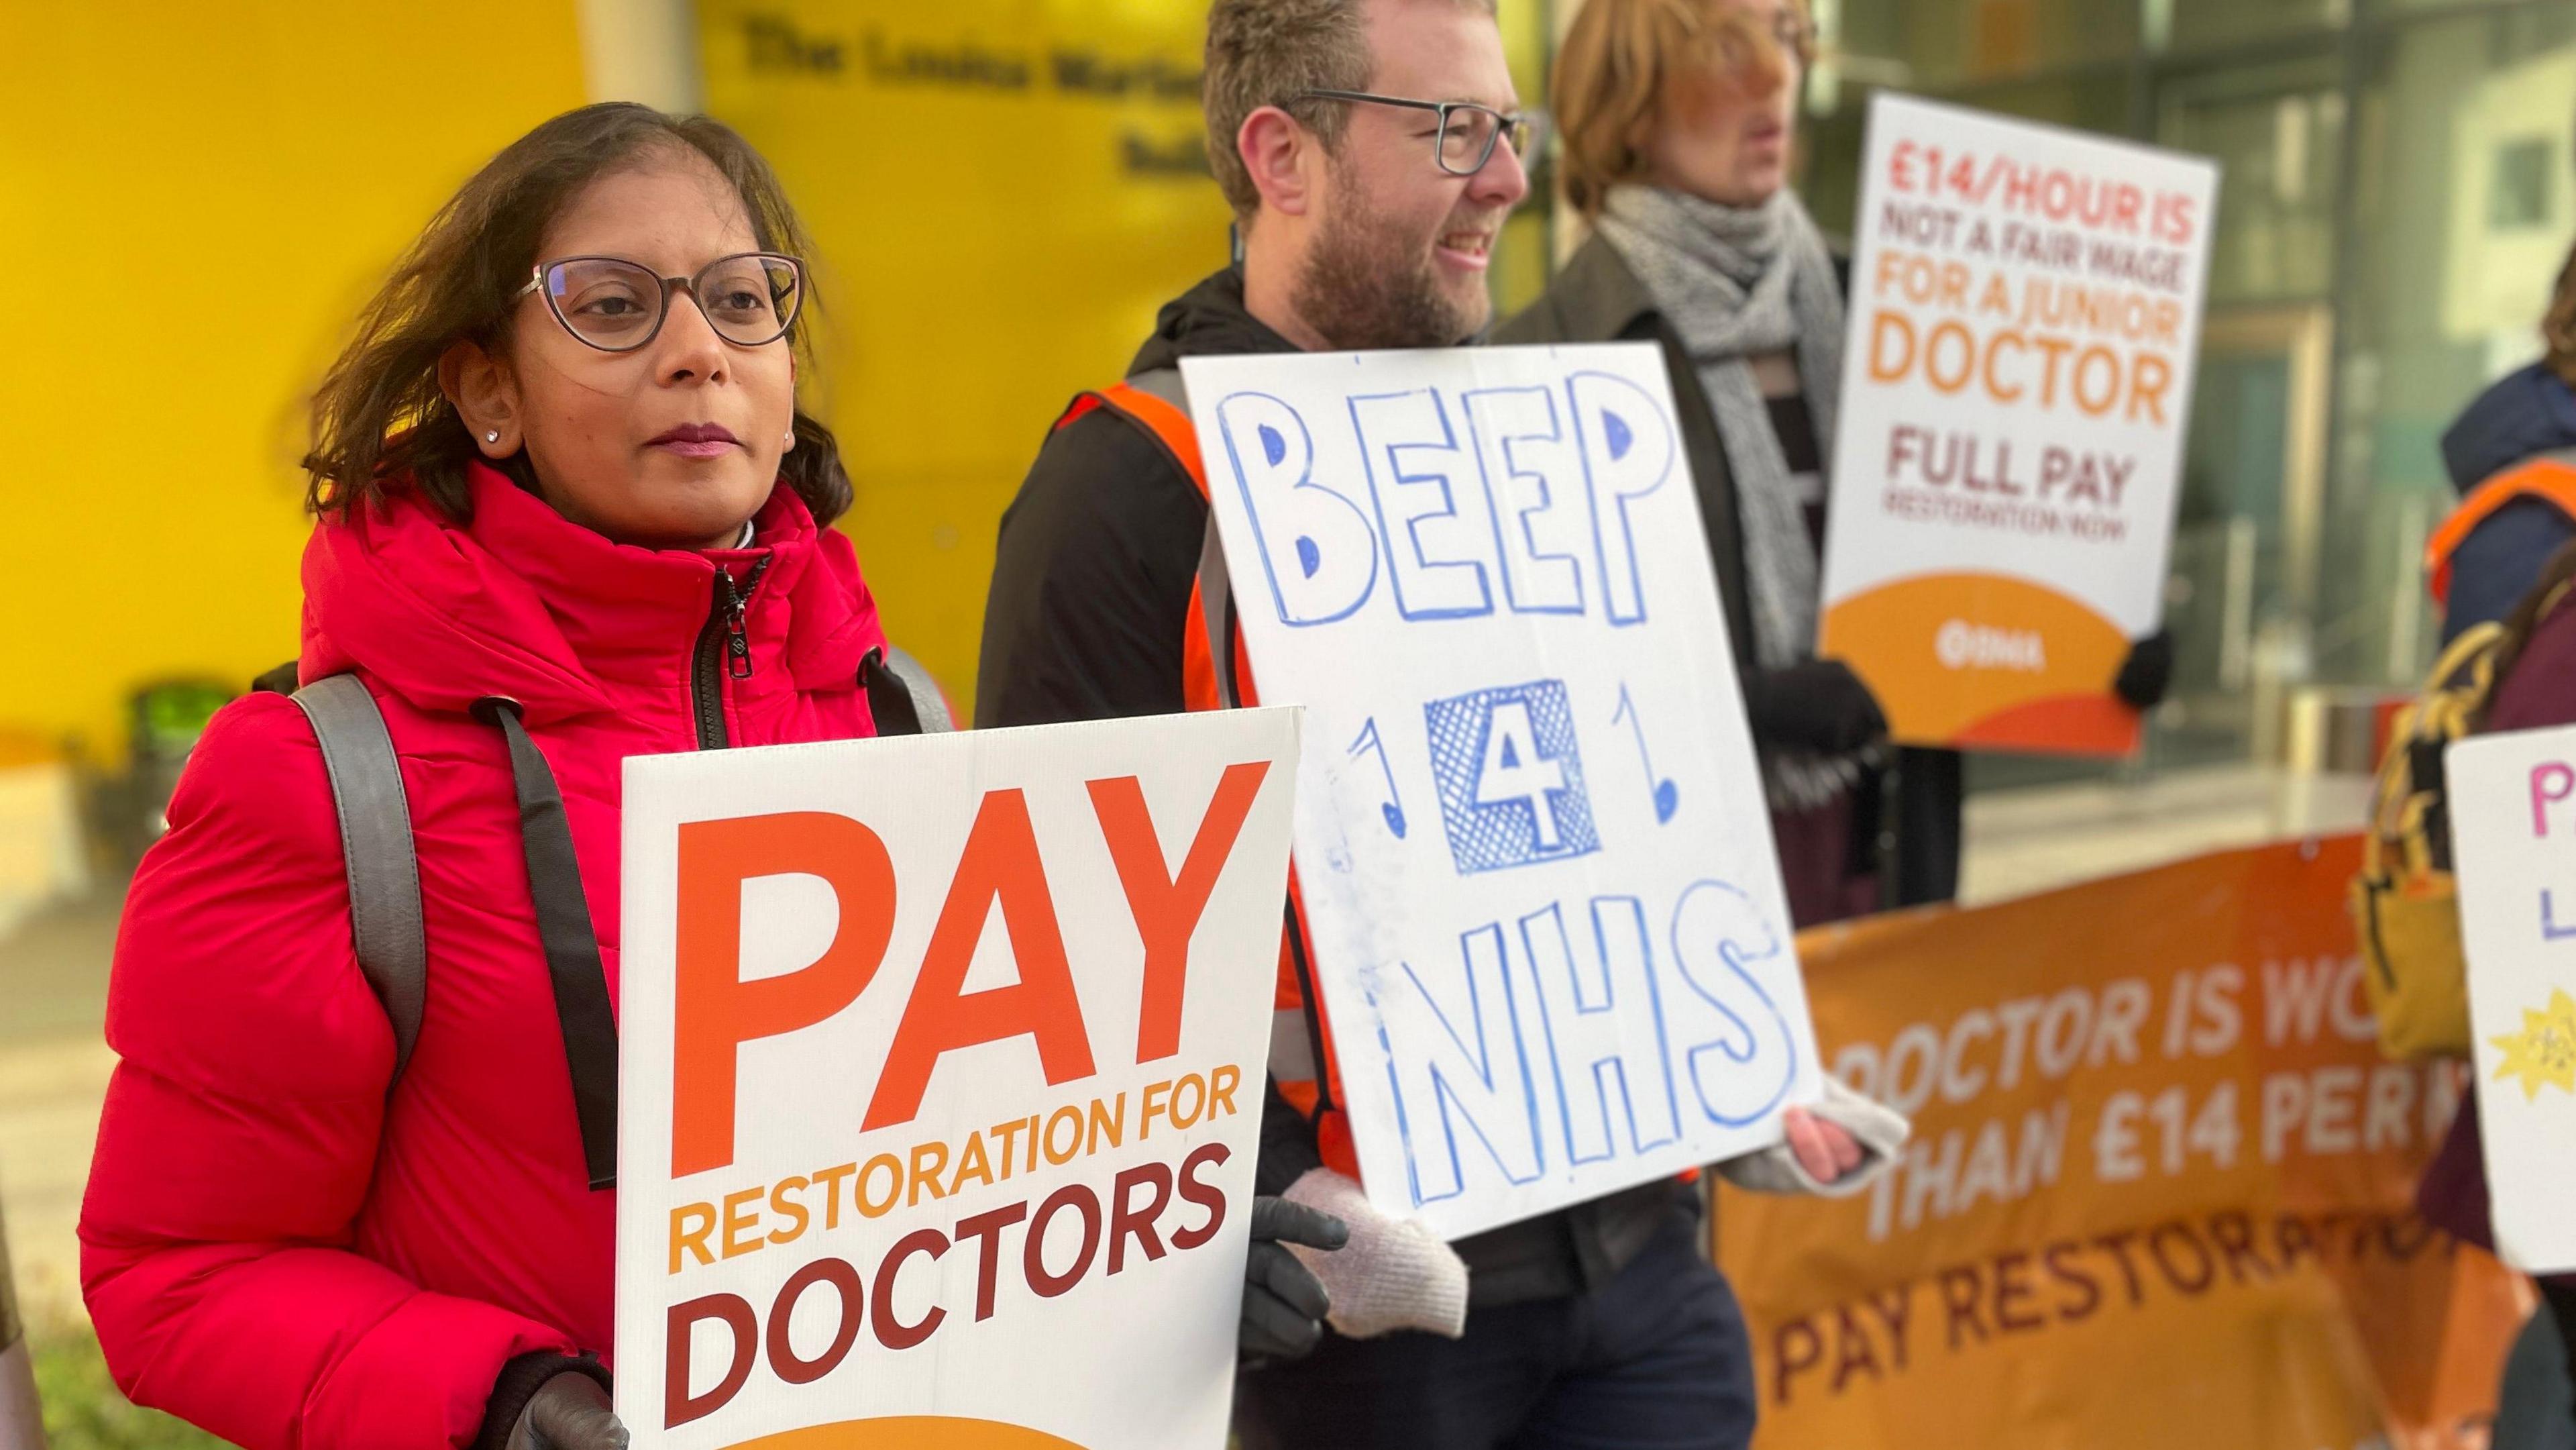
{"x": 902, "y": 697}
{"x": 1171, "y": 425}
{"x": 376, "y": 845}
{"x": 582, "y": 1009}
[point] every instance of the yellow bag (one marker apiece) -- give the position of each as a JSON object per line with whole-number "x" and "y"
{"x": 2405, "y": 903}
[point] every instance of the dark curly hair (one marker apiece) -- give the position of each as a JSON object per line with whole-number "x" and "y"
{"x": 379, "y": 417}
{"x": 2558, "y": 325}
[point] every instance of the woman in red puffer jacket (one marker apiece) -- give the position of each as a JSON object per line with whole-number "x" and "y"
{"x": 566, "y": 498}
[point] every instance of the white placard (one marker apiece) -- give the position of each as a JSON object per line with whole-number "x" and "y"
{"x": 2513, "y": 844}
{"x": 1553, "y": 947}
{"x": 986, "y": 1144}
{"x": 2024, "y": 320}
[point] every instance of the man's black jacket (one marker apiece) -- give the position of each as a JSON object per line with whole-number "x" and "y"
{"x": 1089, "y": 605}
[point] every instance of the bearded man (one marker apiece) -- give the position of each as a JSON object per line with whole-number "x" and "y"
{"x": 1371, "y": 150}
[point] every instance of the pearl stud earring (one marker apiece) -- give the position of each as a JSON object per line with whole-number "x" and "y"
{"x": 790, "y": 438}
{"x": 492, "y": 437}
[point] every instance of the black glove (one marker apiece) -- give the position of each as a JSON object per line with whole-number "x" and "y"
{"x": 568, "y": 1412}
{"x": 2148, "y": 671}
{"x": 1283, "y": 1302}
{"x": 1817, "y": 705}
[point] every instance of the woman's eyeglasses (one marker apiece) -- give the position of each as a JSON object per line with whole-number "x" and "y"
{"x": 1794, "y": 33}
{"x": 616, "y": 305}
{"x": 1467, "y": 131}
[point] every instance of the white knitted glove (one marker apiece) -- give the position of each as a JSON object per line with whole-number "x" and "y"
{"x": 1393, "y": 1274}
{"x": 1880, "y": 1130}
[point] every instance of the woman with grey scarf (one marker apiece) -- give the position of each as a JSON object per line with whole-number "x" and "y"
{"x": 1677, "y": 118}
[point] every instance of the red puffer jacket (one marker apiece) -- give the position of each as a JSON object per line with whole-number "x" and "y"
{"x": 272, "y": 1248}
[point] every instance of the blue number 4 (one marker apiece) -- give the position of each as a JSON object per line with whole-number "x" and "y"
{"x": 1514, "y": 770}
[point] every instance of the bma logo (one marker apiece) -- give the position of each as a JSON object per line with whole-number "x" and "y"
{"x": 1510, "y": 778}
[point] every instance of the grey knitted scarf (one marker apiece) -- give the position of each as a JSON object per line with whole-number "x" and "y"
{"x": 1737, "y": 283}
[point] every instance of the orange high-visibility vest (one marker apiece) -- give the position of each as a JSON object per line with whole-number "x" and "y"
{"x": 2550, "y": 476}
{"x": 1301, "y": 1044}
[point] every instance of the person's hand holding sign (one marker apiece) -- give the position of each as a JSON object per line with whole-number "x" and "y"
{"x": 569, "y": 1411}
{"x": 2147, "y": 674}
{"x": 1835, "y": 1148}
{"x": 1827, "y": 1150}
{"x": 1816, "y": 705}
{"x": 1284, "y": 1304}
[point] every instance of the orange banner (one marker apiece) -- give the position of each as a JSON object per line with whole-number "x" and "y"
{"x": 2159, "y": 1190}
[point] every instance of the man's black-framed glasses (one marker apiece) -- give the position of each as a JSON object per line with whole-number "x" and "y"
{"x": 1468, "y": 131}
{"x": 749, "y": 298}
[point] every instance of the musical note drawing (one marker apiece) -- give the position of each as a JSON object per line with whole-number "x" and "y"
{"x": 1393, "y": 806}
{"x": 1668, "y": 796}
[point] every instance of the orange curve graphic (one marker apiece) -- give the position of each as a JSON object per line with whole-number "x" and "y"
{"x": 911, "y": 1432}
{"x": 1986, "y": 662}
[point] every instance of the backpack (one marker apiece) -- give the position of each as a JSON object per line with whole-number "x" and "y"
{"x": 383, "y": 869}
{"x": 2405, "y": 902}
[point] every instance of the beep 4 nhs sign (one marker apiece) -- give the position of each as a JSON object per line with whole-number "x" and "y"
{"x": 1548, "y": 928}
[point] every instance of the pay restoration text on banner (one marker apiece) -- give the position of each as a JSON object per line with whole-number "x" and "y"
{"x": 2160, "y": 1190}
{"x": 1531, "y": 841}
{"x": 941, "y": 1081}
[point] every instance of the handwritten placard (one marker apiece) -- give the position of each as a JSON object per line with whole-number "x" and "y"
{"x": 1550, "y": 935}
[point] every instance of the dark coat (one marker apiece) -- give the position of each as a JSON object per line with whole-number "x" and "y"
{"x": 1089, "y": 603}
{"x": 1914, "y": 809}
{"x": 2524, "y": 414}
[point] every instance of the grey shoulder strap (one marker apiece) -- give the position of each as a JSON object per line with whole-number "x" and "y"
{"x": 901, "y": 675}
{"x": 1216, "y": 594}
{"x": 376, "y": 842}
{"x": 1164, "y": 383}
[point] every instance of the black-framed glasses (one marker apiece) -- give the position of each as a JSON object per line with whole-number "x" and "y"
{"x": 1468, "y": 131}
{"x": 749, "y": 298}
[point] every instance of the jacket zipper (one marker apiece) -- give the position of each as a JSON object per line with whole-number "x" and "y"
{"x": 724, "y": 650}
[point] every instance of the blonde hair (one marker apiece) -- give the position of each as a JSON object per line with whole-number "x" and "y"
{"x": 1623, "y": 58}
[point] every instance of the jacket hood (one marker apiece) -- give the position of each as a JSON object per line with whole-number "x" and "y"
{"x": 2524, "y": 413}
{"x": 1209, "y": 320}
{"x": 524, "y": 603}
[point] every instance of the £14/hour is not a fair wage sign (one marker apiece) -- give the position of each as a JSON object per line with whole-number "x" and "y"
{"x": 941, "y": 1081}
{"x": 2025, "y": 315}
{"x": 1533, "y": 850}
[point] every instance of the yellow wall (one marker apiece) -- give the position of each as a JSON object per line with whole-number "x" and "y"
{"x": 194, "y": 201}
{"x": 986, "y": 248}
{"x": 989, "y": 246}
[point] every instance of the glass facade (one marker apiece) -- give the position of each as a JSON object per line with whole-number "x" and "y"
{"x": 2399, "y": 193}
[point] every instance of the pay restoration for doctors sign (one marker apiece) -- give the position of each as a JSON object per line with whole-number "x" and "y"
{"x": 1532, "y": 843}
{"x": 2025, "y": 312}
{"x": 941, "y": 1082}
